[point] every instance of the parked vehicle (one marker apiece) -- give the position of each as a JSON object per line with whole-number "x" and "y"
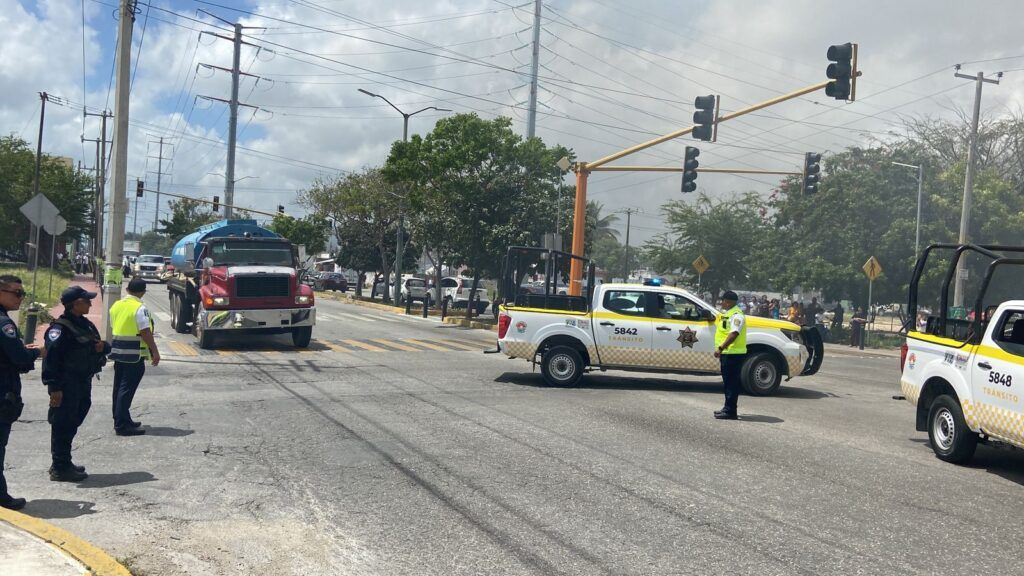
{"x": 645, "y": 328}
{"x": 234, "y": 275}
{"x": 415, "y": 288}
{"x": 964, "y": 376}
{"x": 455, "y": 290}
{"x": 331, "y": 281}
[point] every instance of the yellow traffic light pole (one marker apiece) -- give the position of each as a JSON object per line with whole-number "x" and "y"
{"x": 583, "y": 170}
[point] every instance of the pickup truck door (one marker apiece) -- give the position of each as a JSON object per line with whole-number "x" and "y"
{"x": 622, "y": 329}
{"x": 683, "y": 338}
{"x": 997, "y": 377}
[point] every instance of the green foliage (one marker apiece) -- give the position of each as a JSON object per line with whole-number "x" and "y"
{"x": 153, "y": 242}
{"x": 309, "y": 231}
{"x": 186, "y": 216}
{"x": 70, "y": 191}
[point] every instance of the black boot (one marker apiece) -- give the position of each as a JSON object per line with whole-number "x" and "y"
{"x": 66, "y": 474}
{"x": 12, "y": 503}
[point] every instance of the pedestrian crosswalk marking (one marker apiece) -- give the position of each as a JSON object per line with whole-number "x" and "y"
{"x": 392, "y": 344}
{"x": 183, "y": 349}
{"x": 427, "y": 345}
{"x": 462, "y": 345}
{"x": 363, "y": 345}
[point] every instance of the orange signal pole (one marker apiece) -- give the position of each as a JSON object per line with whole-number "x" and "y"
{"x": 579, "y": 224}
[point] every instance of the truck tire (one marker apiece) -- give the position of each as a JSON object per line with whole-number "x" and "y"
{"x": 178, "y": 316}
{"x": 561, "y": 366}
{"x": 951, "y": 439}
{"x": 205, "y": 337}
{"x": 761, "y": 374}
{"x": 302, "y": 336}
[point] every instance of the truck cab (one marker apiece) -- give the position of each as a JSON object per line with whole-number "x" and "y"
{"x": 637, "y": 327}
{"x": 964, "y": 372}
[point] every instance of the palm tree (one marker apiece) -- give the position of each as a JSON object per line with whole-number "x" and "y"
{"x": 599, "y": 227}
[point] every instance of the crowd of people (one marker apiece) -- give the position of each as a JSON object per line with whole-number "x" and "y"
{"x": 809, "y": 314}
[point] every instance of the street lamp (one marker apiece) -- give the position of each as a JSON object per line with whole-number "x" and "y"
{"x": 401, "y": 216}
{"x": 920, "y": 180}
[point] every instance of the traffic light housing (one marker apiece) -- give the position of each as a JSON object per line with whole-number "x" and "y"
{"x": 812, "y": 171}
{"x": 842, "y": 70}
{"x": 705, "y": 118}
{"x": 216, "y": 203}
{"x": 690, "y": 165}
{"x": 280, "y": 209}
{"x": 139, "y": 186}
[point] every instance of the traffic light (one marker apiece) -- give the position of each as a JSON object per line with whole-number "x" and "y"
{"x": 690, "y": 165}
{"x": 139, "y": 185}
{"x": 811, "y": 172}
{"x": 705, "y": 118}
{"x": 280, "y": 209}
{"x": 216, "y": 203}
{"x": 840, "y": 71}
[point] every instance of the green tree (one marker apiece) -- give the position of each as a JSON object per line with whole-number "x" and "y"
{"x": 186, "y": 216}
{"x": 599, "y": 227}
{"x": 477, "y": 188}
{"x": 309, "y": 231}
{"x": 152, "y": 242}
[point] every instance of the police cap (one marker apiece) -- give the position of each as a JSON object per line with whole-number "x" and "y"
{"x": 75, "y": 292}
{"x": 730, "y": 295}
{"x": 137, "y": 285}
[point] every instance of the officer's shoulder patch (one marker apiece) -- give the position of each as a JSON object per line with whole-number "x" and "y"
{"x": 10, "y": 330}
{"x": 53, "y": 333}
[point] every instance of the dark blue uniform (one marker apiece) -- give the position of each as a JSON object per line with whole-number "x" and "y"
{"x": 15, "y": 360}
{"x": 70, "y": 364}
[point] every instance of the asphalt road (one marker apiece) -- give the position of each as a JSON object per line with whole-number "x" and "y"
{"x": 394, "y": 446}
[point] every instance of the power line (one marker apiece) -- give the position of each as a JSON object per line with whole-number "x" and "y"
{"x": 138, "y": 55}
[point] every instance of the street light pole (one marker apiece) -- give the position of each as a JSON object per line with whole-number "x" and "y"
{"x": 920, "y": 180}
{"x": 399, "y": 245}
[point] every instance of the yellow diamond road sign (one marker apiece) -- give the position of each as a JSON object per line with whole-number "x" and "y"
{"x": 701, "y": 264}
{"x": 872, "y": 269}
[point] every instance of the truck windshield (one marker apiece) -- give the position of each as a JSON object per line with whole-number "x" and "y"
{"x": 249, "y": 253}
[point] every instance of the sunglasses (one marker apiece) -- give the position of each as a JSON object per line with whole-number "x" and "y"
{"x": 19, "y": 292}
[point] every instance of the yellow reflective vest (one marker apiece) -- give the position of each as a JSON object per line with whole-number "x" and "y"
{"x": 722, "y": 330}
{"x": 127, "y": 345}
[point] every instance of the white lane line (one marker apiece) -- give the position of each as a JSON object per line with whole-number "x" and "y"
{"x": 321, "y": 316}
{"x": 356, "y": 317}
{"x": 162, "y": 316}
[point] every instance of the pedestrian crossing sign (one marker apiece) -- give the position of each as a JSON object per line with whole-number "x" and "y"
{"x": 872, "y": 268}
{"x": 701, "y": 264}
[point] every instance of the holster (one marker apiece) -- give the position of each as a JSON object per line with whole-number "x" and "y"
{"x": 10, "y": 407}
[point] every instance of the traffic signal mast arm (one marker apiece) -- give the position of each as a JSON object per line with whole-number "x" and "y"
{"x": 213, "y": 203}
{"x": 707, "y": 170}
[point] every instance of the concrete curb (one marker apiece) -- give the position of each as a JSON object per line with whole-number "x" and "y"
{"x": 98, "y": 562}
{"x": 872, "y": 352}
{"x": 457, "y": 321}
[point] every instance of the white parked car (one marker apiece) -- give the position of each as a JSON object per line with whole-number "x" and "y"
{"x": 455, "y": 290}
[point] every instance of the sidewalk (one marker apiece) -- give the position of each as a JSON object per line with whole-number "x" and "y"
{"x": 22, "y": 554}
{"x": 95, "y": 314}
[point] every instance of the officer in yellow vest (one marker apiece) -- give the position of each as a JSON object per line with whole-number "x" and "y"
{"x": 132, "y": 344}
{"x": 731, "y": 350}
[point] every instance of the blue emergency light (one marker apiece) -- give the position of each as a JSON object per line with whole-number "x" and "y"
{"x": 652, "y": 282}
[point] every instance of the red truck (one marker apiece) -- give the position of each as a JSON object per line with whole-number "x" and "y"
{"x": 235, "y": 276}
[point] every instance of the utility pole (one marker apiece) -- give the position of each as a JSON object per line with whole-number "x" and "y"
{"x": 531, "y": 122}
{"x": 159, "y": 173}
{"x": 972, "y": 159}
{"x": 101, "y": 163}
{"x": 229, "y": 174}
{"x": 35, "y": 182}
{"x": 629, "y": 213}
{"x": 118, "y": 198}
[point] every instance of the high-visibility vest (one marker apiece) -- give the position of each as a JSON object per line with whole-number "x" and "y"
{"x": 722, "y": 330}
{"x": 113, "y": 275}
{"x": 127, "y": 345}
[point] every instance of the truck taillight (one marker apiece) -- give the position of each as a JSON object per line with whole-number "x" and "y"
{"x": 903, "y": 356}
{"x": 504, "y": 321}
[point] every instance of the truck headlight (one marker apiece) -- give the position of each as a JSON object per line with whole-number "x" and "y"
{"x": 794, "y": 335}
{"x": 303, "y": 299}
{"x": 219, "y": 301}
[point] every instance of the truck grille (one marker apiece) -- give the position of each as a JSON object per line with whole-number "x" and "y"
{"x": 261, "y": 286}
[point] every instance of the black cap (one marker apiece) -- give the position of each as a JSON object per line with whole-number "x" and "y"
{"x": 730, "y": 295}
{"x": 137, "y": 285}
{"x": 75, "y": 292}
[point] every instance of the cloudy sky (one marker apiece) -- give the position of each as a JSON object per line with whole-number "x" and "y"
{"x": 612, "y": 74}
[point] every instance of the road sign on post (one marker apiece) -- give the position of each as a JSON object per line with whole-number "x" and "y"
{"x": 701, "y": 265}
{"x": 872, "y": 269}
{"x": 40, "y": 212}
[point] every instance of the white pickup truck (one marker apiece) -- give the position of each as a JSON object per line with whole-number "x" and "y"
{"x": 647, "y": 328}
{"x": 965, "y": 376}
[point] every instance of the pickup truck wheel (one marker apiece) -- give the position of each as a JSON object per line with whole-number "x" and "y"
{"x": 761, "y": 374}
{"x": 948, "y": 433}
{"x": 302, "y": 336}
{"x": 562, "y": 366}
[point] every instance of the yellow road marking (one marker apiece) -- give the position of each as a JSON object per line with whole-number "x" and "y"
{"x": 395, "y": 345}
{"x": 461, "y": 345}
{"x": 427, "y": 345}
{"x": 336, "y": 347}
{"x": 363, "y": 345}
{"x": 182, "y": 349}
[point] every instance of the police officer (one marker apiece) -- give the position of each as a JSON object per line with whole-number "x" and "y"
{"x": 132, "y": 345}
{"x": 15, "y": 359}
{"x": 731, "y": 350}
{"x": 75, "y": 353}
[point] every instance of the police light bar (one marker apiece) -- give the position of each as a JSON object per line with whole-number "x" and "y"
{"x": 652, "y": 282}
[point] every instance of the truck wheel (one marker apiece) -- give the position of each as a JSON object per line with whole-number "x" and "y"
{"x": 948, "y": 433}
{"x": 205, "y": 337}
{"x": 302, "y": 336}
{"x": 179, "y": 318}
{"x": 761, "y": 374}
{"x": 561, "y": 366}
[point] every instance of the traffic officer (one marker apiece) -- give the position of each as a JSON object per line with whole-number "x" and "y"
{"x": 731, "y": 350}
{"x": 132, "y": 345}
{"x": 75, "y": 353}
{"x": 15, "y": 360}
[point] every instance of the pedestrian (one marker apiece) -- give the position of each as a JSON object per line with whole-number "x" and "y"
{"x": 773, "y": 309}
{"x": 811, "y": 311}
{"x": 731, "y": 351}
{"x": 75, "y": 353}
{"x": 837, "y": 316}
{"x": 857, "y": 323}
{"x": 132, "y": 346}
{"x": 15, "y": 359}
{"x": 794, "y": 312}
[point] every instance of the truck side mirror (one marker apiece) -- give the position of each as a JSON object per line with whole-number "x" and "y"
{"x": 207, "y": 263}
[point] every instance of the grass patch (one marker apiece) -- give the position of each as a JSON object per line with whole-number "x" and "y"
{"x": 46, "y": 290}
